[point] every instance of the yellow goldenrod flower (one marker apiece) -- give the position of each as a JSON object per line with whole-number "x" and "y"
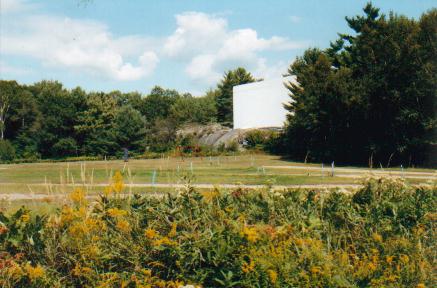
{"x": 147, "y": 272}
{"x": 25, "y": 218}
{"x": 34, "y": 273}
{"x": 248, "y": 267}
{"x": 389, "y": 259}
{"x": 172, "y": 232}
{"x": 150, "y": 233}
{"x": 371, "y": 266}
{"x": 77, "y": 196}
{"x": 315, "y": 269}
{"x": 115, "y": 212}
{"x": 118, "y": 187}
{"x": 377, "y": 237}
{"x": 164, "y": 241}
{"x": 273, "y": 275}
{"x": 123, "y": 226}
{"x": 420, "y": 285}
{"x": 15, "y": 271}
{"x": 117, "y": 182}
{"x": 251, "y": 234}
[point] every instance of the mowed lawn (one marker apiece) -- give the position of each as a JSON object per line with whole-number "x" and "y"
{"x": 242, "y": 169}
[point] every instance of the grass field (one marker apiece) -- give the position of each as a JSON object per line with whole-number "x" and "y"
{"x": 160, "y": 174}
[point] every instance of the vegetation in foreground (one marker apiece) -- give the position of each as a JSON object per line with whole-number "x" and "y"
{"x": 382, "y": 235}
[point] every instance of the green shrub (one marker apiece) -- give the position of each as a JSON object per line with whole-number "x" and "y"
{"x": 259, "y": 139}
{"x": 7, "y": 151}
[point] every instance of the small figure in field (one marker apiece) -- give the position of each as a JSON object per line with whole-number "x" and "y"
{"x": 125, "y": 154}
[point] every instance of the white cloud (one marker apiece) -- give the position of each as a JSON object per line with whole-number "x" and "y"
{"x": 81, "y": 45}
{"x": 202, "y": 42}
{"x": 211, "y": 48}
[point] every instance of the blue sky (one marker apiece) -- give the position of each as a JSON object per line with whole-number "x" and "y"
{"x": 186, "y": 45}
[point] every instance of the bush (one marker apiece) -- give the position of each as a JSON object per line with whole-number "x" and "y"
{"x": 7, "y": 151}
{"x": 259, "y": 139}
{"x": 65, "y": 147}
{"x": 383, "y": 235}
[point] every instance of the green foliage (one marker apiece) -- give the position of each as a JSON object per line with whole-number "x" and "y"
{"x": 7, "y": 151}
{"x": 45, "y": 120}
{"x": 224, "y": 99}
{"x": 129, "y": 128}
{"x": 370, "y": 96}
{"x": 382, "y": 235}
{"x": 158, "y": 103}
{"x": 259, "y": 139}
{"x": 161, "y": 136}
{"x": 65, "y": 147}
{"x": 189, "y": 109}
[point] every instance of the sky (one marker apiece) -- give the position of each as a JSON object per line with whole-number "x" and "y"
{"x": 105, "y": 45}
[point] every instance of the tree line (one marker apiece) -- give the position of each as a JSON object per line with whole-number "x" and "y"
{"x": 370, "y": 98}
{"x": 46, "y": 120}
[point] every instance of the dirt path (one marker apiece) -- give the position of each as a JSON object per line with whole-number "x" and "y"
{"x": 34, "y": 196}
{"x": 356, "y": 172}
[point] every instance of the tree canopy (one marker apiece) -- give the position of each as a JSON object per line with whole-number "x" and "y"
{"x": 370, "y": 97}
{"x": 224, "y": 97}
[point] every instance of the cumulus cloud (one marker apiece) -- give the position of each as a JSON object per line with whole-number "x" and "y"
{"x": 203, "y": 43}
{"x": 210, "y": 47}
{"x": 81, "y": 45}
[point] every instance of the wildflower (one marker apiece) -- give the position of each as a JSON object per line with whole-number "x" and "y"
{"x": 377, "y": 237}
{"x": 118, "y": 187}
{"x": 118, "y": 184}
{"x": 299, "y": 241}
{"x": 371, "y": 266}
{"x": 79, "y": 271}
{"x": 164, "y": 241}
{"x": 78, "y": 230}
{"x": 420, "y": 285}
{"x": 251, "y": 234}
{"x": 115, "y": 212}
{"x": 25, "y": 218}
{"x": 77, "y": 196}
{"x": 273, "y": 275}
{"x": 389, "y": 259}
{"x": 150, "y": 233}
{"x": 34, "y": 273}
{"x": 172, "y": 232}
{"x": 404, "y": 258}
{"x": 315, "y": 270}
{"x": 123, "y": 226}
{"x": 117, "y": 177}
{"x": 147, "y": 272}
{"x": 248, "y": 267}
{"x": 15, "y": 271}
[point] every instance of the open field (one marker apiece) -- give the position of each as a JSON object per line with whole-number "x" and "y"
{"x": 48, "y": 181}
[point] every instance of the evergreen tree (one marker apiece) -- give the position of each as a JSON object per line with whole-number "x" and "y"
{"x": 224, "y": 98}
